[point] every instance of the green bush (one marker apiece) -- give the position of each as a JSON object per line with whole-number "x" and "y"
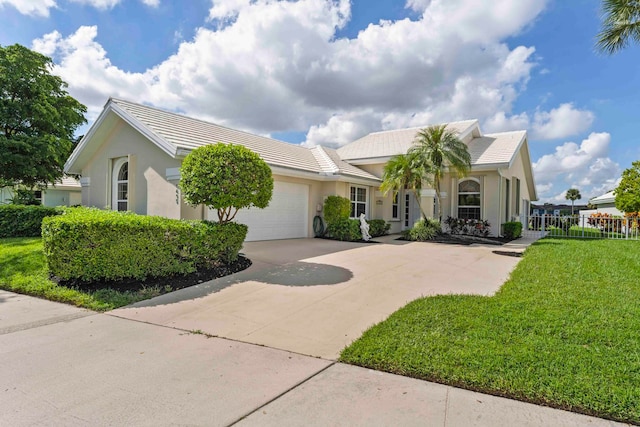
{"x": 336, "y": 208}
{"x": 344, "y": 229}
{"x": 91, "y": 244}
{"x": 24, "y": 221}
{"x": 226, "y": 177}
{"x": 512, "y": 230}
{"x": 423, "y": 230}
{"x": 378, "y": 227}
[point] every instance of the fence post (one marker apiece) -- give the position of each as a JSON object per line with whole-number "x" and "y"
{"x": 542, "y": 226}
{"x": 582, "y": 218}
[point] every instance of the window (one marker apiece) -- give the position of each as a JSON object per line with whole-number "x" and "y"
{"x": 507, "y": 199}
{"x": 120, "y": 191}
{"x": 38, "y": 195}
{"x": 395, "y": 206}
{"x": 358, "y": 199}
{"x": 407, "y": 204}
{"x": 469, "y": 199}
{"x": 517, "y": 196}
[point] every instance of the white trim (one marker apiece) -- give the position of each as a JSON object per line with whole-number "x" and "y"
{"x": 115, "y": 182}
{"x": 85, "y": 181}
{"x": 110, "y": 106}
{"x": 479, "y": 193}
{"x": 397, "y": 204}
{"x": 366, "y": 200}
{"x": 429, "y": 192}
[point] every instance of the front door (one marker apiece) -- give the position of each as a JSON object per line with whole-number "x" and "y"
{"x": 410, "y": 210}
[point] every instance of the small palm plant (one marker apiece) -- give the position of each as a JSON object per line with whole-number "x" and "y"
{"x": 441, "y": 149}
{"x": 405, "y": 171}
{"x": 573, "y": 194}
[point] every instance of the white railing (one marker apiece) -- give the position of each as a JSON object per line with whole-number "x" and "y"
{"x": 581, "y": 227}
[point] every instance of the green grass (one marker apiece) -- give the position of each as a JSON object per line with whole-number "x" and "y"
{"x": 563, "y": 331}
{"x": 23, "y": 270}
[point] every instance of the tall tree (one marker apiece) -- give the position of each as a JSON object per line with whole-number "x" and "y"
{"x": 441, "y": 149}
{"x": 37, "y": 118}
{"x": 573, "y": 194}
{"x": 620, "y": 24}
{"x": 405, "y": 171}
{"x": 628, "y": 191}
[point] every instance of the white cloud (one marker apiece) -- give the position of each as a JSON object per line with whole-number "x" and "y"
{"x": 30, "y": 7}
{"x": 98, "y": 4}
{"x": 91, "y": 76}
{"x": 278, "y": 66}
{"x": 561, "y": 122}
{"x": 151, "y": 3}
{"x": 585, "y": 166}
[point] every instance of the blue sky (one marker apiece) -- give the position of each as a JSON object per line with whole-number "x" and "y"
{"x": 330, "y": 71}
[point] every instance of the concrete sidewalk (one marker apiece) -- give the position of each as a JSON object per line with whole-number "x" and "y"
{"x": 66, "y": 366}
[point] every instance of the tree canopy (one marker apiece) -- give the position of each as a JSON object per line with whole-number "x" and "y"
{"x": 628, "y": 191}
{"x": 37, "y": 118}
{"x": 620, "y": 25}
{"x": 440, "y": 149}
{"x": 227, "y": 178}
{"x": 405, "y": 171}
{"x": 573, "y": 194}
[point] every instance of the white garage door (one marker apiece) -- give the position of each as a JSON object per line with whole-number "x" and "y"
{"x": 286, "y": 217}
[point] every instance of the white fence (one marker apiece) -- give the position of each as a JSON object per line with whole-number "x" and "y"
{"x": 581, "y": 226}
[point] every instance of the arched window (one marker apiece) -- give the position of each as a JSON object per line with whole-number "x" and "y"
{"x": 120, "y": 191}
{"x": 469, "y": 199}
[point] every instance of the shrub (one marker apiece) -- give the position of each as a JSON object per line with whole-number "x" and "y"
{"x": 24, "y": 221}
{"x": 512, "y": 230}
{"x": 378, "y": 227}
{"x": 90, "y": 244}
{"x": 423, "y": 230}
{"x": 345, "y": 229}
{"x": 336, "y": 208}
{"x": 226, "y": 177}
{"x": 469, "y": 227}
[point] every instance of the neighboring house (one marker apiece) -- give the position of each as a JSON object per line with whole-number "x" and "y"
{"x": 65, "y": 192}
{"x": 130, "y": 160}
{"x": 605, "y": 203}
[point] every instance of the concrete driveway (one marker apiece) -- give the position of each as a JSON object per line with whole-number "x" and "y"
{"x": 314, "y": 296}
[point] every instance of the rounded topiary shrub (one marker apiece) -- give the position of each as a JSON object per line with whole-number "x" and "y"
{"x": 226, "y": 177}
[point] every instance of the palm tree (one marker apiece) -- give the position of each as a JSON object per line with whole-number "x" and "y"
{"x": 405, "y": 171}
{"x": 573, "y": 194}
{"x": 440, "y": 149}
{"x": 620, "y": 24}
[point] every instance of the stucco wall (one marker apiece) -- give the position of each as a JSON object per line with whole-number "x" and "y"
{"x": 149, "y": 191}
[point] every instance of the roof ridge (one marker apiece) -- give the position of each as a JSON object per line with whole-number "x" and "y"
{"x": 184, "y": 116}
{"x": 422, "y": 127}
{"x": 318, "y": 151}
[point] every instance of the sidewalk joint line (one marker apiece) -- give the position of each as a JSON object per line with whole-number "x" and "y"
{"x": 293, "y": 387}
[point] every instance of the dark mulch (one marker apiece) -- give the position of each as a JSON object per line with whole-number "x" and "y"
{"x": 352, "y": 241}
{"x": 166, "y": 283}
{"x": 460, "y": 239}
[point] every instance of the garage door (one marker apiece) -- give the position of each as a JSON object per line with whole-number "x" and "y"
{"x": 286, "y": 217}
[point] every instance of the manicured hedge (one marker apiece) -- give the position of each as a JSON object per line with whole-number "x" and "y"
{"x": 91, "y": 244}
{"x": 378, "y": 227}
{"x": 24, "y": 221}
{"x": 512, "y": 230}
{"x": 349, "y": 229}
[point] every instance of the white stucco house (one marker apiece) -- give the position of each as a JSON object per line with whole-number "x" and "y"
{"x": 65, "y": 192}
{"x": 130, "y": 160}
{"x": 604, "y": 204}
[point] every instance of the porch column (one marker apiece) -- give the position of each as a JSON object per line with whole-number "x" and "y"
{"x": 426, "y": 201}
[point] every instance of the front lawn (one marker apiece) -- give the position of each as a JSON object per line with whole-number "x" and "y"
{"x": 563, "y": 331}
{"x": 23, "y": 270}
